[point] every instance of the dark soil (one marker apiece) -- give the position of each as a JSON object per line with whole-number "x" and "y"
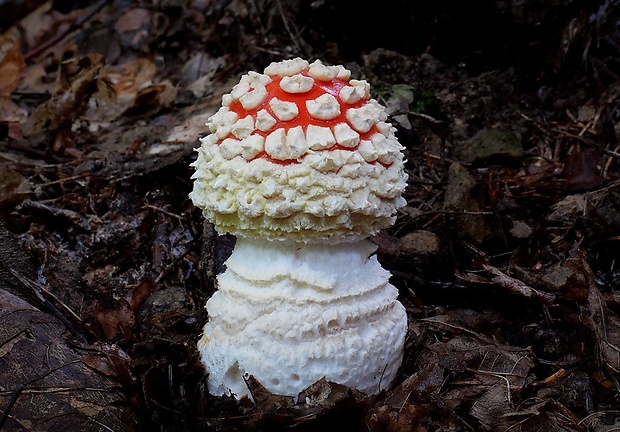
{"x": 506, "y": 256}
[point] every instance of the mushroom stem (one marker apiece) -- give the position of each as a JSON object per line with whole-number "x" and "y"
{"x": 290, "y": 313}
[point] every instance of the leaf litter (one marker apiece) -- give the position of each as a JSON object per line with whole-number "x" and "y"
{"x": 513, "y": 301}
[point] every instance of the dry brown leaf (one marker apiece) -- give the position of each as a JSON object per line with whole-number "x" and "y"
{"x": 14, "y": 187}
{"x": 135, "y": 27}
{"x": 490, "y": 374}
{"x": 569, "y": 209}
{"x": 322, "y": 401}
{"x": 11, "y": 113}
{"x": 327, "y": 395}
{"x": 120, "y": 318}
{"x": 79, "y": 75}
{"x": 153, "y": 98}
{"x": 12, "y": 66}
{"x": 133, "y": 20}
{"x": 31, "y": 29}
{"x": 603, "y": 321}
{"x": 189, "y": 131}
{"x": 130, "y": 77}
{"x": 581, "y": 169}
{"x": 102, "y": 106}
{"x": 408, "y": 403}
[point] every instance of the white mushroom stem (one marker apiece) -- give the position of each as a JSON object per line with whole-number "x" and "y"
{"x": 291, "y": 313}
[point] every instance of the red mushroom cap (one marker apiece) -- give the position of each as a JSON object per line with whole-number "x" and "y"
{"x": 300, "y": 152}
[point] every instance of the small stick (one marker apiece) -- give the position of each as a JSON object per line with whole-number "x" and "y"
{"x": 18, "y": 391}
{"x": 41, "y": 293}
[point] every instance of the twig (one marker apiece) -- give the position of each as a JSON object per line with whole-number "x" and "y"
{"x": 16, "y": 393}
{"x": 517, "y": 286}
{"x": 161, "y": 210}
{"x": 596, "y": 414}
{"x": 54, "y": 390}
{"x": 71, "y": 216}
{"x": 555, "y": 376}
{"x": 496, "y": 375}
{"x": 286, "y": 26}
{"x": 42, "y": 295}
{"x": 268, "y": 51}
{"x": 470, "y": 213}
{"x": 97, "y": 422}
{"x": 65, "y": 179}
{"x": 163, "y": 273}
{"x": 430, "y": 155}
{"x": 612, "y": 153}
{"x": 432, "y": 320}
{"x": 426, "y": 117}
{"x": 610, "y": 160}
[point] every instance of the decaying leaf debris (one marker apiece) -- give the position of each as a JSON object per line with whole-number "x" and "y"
{"x": 506, "y": 256}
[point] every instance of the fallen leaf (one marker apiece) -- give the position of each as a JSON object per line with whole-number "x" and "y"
{"x": 79, "y": 75}
{"x": 152, "y": 99}
{"x": 116, "y": 320}
{"x": 189, "y": 131}
{"x": 44, "y": 384}
{"x": 543, "y": 416}
{"x": 112, "y": 361}
{"x": 10, "y": 112}
{"x": 12, "y": 66}
{"x": 408, "y": 403}
{"x": 136, "y": 27}
{"x": 14, "y": 187}
{"x": 569, "y": 209}
{"x": 582, "y": 170}
{"x": 604, "y": 322}
{"x": 133, "y": 20}
{"x": 130, "y": 77}
{"x": 138, "y": 294}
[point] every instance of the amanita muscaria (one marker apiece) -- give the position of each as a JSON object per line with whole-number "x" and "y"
{"x": 302, "y": 167}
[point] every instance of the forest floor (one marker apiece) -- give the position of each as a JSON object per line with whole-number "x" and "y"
{"x": 506, "y": 256}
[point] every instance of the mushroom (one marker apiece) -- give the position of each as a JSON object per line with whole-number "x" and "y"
{"x": 302, "y": 167}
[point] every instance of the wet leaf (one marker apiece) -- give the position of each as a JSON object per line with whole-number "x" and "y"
{"x": 582, "y": 170}
{"x": 44, "y": 383}
{"x": 117, "y": 320}
{"x": 110, "y": 360}
{"x": 139, "y": 293}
